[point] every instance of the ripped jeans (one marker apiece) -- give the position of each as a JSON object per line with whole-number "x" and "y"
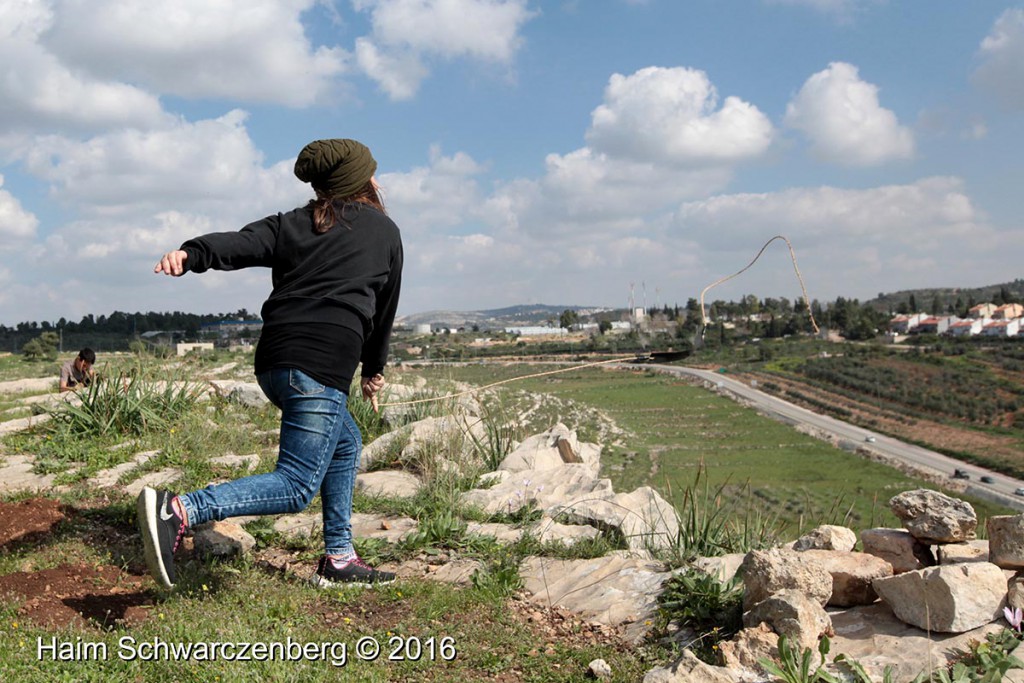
{"x": 320, "y": 450}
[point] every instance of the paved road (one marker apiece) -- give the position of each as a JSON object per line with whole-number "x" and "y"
{"x": 1000, "y": 490}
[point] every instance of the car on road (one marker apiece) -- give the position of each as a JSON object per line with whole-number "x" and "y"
{"x": 987, "y": 480}
{"x": 870, "y": 439}
{"x": 1018, "y": 492}
{"x": 961, "y": 474}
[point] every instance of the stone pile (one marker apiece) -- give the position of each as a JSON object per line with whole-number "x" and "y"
{"x": 910, "y": 600}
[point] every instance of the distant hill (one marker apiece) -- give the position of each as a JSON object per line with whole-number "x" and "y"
{"x": 524, "y": 314}
{"x": 948, "y": 296}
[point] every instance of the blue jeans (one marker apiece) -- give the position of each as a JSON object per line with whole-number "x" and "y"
{"x": 320, "y": 451}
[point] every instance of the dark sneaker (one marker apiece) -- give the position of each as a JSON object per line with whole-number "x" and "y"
{"x": 161, "y": 530}
{"x": 355, "y": 572}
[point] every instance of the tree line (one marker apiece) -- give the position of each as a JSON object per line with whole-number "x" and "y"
{"x": 112, "y": 332}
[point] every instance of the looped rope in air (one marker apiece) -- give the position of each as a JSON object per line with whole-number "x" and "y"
{"x": 799, "y": 277}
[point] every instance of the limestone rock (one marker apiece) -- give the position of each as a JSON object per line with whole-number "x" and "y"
{"x": 689, "y": 669}
{"x": 873, "y": 636}
{"x": 769, "y": 571}
{"x": 934, "y": 517}
{"x": 790, "y": 613}
{"x": 502, "y": 533}
{"x": 541, "y": 452}
{"x": 390, "y": 483}
{"x": 547, "y": 489}
{"x": 954, "y": 553}
{"x": 852, "y": 574}
{"x": 611, "y": 590}
{"x": 249, "y": 395}
{"x": 550, "y": 531}
{"x": 222, "y": 539}
{"x": 1006, "y": 541}
{"x": 723, "y": 567}
{"x": 897, "y": 547}
{"x": 827, "y": 537}
{"x": 599, "y": 670}
{"x": 458, "y": 572}
{"x": 646, "y": 520}
{"x": 1015, "y": 591}
{"x": 249, "y": 462}
{"x": 159, "y": 479}
{"x": 750, "y": 645}
{"x": 948, "y": 599}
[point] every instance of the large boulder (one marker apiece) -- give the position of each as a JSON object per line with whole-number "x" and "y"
{"x": 933, "y": 517}
{"x": 1006, "y": 541}
{"x": 949, "y": 599}
{"x": 897, "y": 547}
{"x": 852, "y": 574}
{"x": 766, "y": 572}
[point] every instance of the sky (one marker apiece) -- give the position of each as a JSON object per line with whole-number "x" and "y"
{"x": 565, "y": 152}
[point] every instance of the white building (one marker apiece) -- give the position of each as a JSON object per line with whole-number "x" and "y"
{"x": 965, "y": 328}
{"x": 1002, "y": 328}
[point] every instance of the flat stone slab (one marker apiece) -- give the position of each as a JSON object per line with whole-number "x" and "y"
{"x": 22, "y": 423}
{"x": 160, "y": 478}
{"x": 614, "y": 590}
{"x": 502, "y": 533}
{"x": 391, "y": 529}
{"x": 109, "y": 477}
{"x": 390, "y": 483}
{"x": 34, "y": 384}
{"x": 249, "y": 462}
{"x": 16, "y": 475}
{"x": 873, "y": 636}
{"x": 458, "y": 572}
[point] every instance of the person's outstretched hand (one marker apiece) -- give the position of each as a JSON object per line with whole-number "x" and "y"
{"x": 370, "y": 386}
{"x": 172, "y": 263}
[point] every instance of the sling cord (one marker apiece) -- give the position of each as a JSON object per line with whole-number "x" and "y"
{"x": 616, "y": 359}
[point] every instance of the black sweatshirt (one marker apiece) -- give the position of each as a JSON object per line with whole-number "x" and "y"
{"x": 349, "y": 276}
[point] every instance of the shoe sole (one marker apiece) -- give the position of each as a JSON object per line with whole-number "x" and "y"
{"x": 325, "y": 583}
{"x": 146, "y": 510}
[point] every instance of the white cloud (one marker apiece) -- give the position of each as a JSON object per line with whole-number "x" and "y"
{"x": 844, "y": 121}
{"x": 438, "y": 196}
{"x": 209, "y": 164}
{"x": 194, "y": 48}
{"x": 16, "y": 224}
{"x": 656, "y": 140}
{"x": 671, "y": 115}
{"x": 923, "y": 214}
{"x": 398, "y": 74}
{"x": 38, "y": 91}
{"x": 1002, "y": 59}
{"x": 407, "y": 32}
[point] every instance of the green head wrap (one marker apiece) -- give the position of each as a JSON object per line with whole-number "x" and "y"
{"x": 338, "y": 168}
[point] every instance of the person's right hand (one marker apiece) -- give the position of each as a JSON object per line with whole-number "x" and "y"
{"x": 172, "y": 263}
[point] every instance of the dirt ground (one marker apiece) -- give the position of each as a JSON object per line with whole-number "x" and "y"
{"x": 82, "y": 596}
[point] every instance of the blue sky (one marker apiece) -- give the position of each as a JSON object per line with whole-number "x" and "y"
{"x": 531, "y": 152}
